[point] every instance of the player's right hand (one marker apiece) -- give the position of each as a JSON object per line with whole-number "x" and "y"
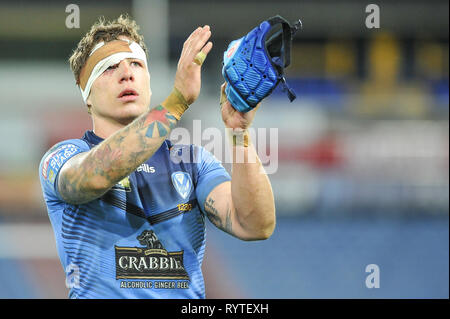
{"x": 188, "y": 76}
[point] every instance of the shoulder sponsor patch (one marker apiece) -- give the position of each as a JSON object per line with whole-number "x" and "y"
{"x": 54, "y": 161}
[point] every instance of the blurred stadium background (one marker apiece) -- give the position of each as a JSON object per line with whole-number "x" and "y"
{"x": 362, "y": 153}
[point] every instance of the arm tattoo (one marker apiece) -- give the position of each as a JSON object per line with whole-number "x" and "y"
{"x": 216, "y": 218}
{"x": 159, "y": 122}
{"x": 212, "y": 212}
{"x": 116, "y": 157}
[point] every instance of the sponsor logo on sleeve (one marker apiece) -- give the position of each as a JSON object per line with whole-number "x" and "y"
{"x": 54, "y": 161}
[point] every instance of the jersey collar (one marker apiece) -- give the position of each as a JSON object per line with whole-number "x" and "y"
{"x": 92, "y": 138}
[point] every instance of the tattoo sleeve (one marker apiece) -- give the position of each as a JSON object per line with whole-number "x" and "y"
{"x": 89, "y": 175}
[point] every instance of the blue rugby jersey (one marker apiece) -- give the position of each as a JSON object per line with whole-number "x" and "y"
{"x": 145, "y": 238}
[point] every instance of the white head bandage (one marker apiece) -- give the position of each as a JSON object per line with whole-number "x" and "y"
{"x": 105, "y": 55}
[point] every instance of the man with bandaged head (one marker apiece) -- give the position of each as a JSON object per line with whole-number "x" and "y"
{"x": 127, "y": 207}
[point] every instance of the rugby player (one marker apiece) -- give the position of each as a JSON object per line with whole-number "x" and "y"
{"x": 127, "y": 207}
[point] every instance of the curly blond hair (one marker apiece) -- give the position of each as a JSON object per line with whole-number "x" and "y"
{"x": 105, "y": 31}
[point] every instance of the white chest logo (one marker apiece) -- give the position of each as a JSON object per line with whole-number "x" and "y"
{"x": 182, "y": 183}
{"x": 145, "y": 168}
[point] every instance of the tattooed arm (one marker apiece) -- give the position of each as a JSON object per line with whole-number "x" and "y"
{"x": 245, "y": 206}
{"x": 89, "y": 175}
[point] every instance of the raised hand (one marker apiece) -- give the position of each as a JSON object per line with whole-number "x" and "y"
{"x": 188, "y": 76}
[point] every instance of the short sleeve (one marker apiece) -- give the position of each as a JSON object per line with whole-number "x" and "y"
{"x": 210, "y": 174}
{"x": 53, "y": 161}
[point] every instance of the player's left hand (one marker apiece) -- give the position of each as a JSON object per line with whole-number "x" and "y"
{"x": 232, "y": 118}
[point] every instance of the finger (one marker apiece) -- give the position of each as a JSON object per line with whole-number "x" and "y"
{"x": 201, "y": 56}
{"x": 193, "y": 38}
{"x": 207, "y": 48}
{"x": 222, "y": 87}
{"x": 199, "y": 42}
{"x": 187, "y": 44}
{"x": 223, "y": 96}
{"x": 194, "y": 48}
{"x": 192, "y": 35}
